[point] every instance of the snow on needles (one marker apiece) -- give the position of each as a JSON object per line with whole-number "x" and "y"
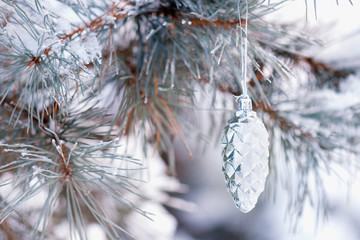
{"x": 86, "y": 50}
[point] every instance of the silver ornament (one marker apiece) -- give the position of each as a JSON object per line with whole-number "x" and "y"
{"x": 245, "y": 156}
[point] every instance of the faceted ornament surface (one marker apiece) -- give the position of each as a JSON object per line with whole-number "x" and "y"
{"x": 245, "y": 160}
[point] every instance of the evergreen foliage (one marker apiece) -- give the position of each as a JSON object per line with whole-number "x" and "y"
{"x": 78, "y": 75}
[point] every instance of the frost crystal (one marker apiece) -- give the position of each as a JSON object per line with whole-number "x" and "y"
{"x": 36, "y": 169}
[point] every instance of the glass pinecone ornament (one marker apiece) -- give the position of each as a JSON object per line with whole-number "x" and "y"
{"x": 245, "y": 156}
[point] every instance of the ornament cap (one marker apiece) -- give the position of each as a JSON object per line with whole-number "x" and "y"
{"x": 245, "y": 103}
{"x": 245, "y": 107}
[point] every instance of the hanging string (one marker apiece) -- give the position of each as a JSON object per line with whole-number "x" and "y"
{"x": 244, "y": 47}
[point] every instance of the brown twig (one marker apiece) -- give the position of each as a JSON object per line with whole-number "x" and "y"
{"x": 34, "y": 61}
{"x": 9, "y": 233}
{"x": 156, "y": 83}
{"x": 66, "y": 169}
{"x": 99, "y": 21}
{"x": 316, "y": 65}
{"x": 218, "y": 23}
{"x": 129, "y": 121}
{"x": 106, "y": 63}
{"x": 157, "y": 140}
{"x": 95, "y": 24}
{"x": 178, "y": 129}
{"x": 159, "y": 122}
{"x": 283, "y": 123}
{"x": 318, "y": 68}
{"x": 50, "y": 111}
{"x": 329, "y": 74}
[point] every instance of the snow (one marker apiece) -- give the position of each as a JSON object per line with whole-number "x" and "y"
{"x": 86, "y": 50}
{"x": 21, "y": 38}
{"x": 95, "y": 232}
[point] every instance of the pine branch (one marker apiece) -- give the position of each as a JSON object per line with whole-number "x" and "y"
{"x": 49, "y": 88}
{"x": 325, "y": 74}
{"x": 284, "y": 123}
{"x": 100, "y": 22}
{"x": 65, "y": 170}
{"x": 94, "y": 25}
{"x": 312, "y": 151}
